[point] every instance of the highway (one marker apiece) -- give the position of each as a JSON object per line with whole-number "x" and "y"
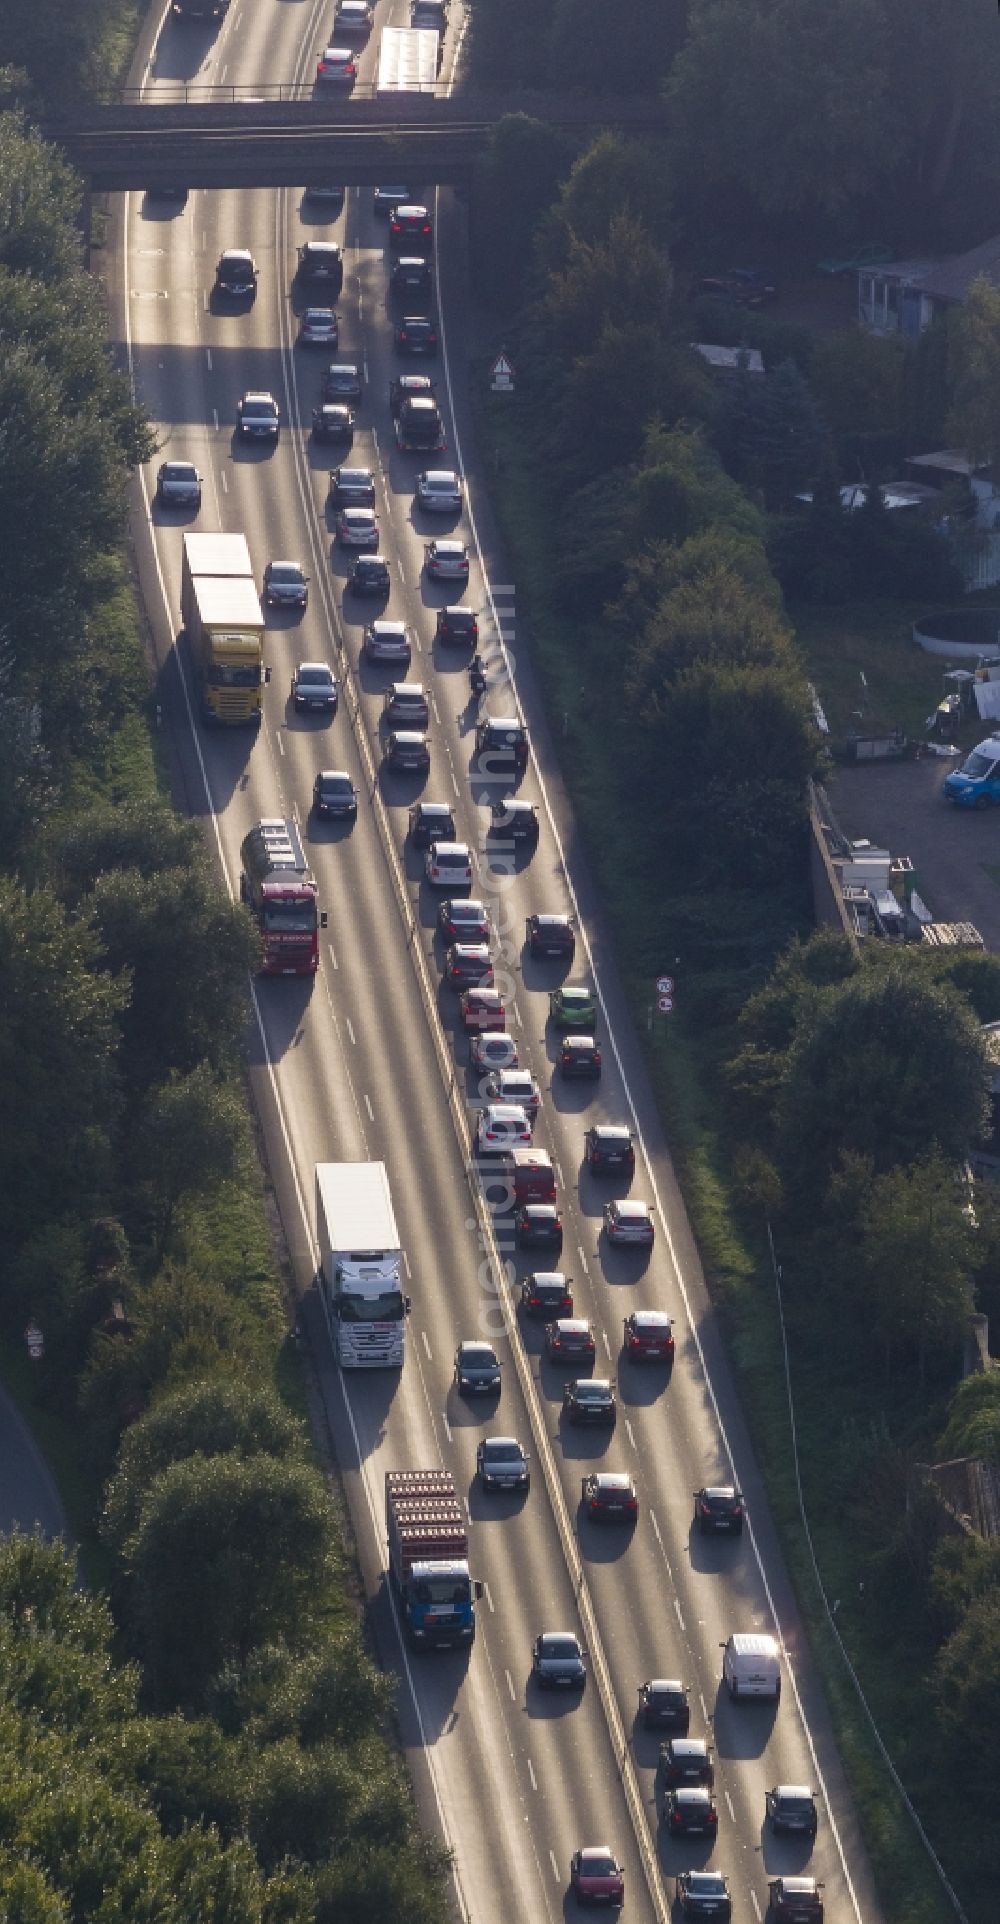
{"x": 366, "y": 1061}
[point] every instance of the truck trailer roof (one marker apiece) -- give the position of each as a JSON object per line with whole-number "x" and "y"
{"x": 218, "y": 554}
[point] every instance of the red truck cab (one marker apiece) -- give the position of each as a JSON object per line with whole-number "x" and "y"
{"x": 280, "y": 891}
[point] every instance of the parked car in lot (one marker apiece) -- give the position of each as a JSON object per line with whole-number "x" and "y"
{"x": 742, "y": 286}
{"x": 649, "y": 1336}
{"x": 178, "y": 485}
{"x": 501, "y": 1464}
{"x": 334, "y": 794}
{"x": 977, "y": 783}
{"x": 663, "y": 1705}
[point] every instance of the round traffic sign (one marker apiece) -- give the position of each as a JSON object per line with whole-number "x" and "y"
{"x": 36, "y": 1352}
{"x": 664, "y": 985}
{"x": 664, "y": 1003}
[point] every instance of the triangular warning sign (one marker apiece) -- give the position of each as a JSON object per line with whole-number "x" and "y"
{"x": 502, "y": 366}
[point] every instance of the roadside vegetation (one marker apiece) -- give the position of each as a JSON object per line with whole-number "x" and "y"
{"x": 207, "y": 1736}
{"x": 678, "y": 600}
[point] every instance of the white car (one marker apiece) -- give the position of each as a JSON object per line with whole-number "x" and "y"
{"x": 447, "y": 560}
{"x": 628, "y": 1222}
{"x": 497, "y": 1050}
{"x": 354, "y": 17}
{"x": 439, "y": 491}
{"x": 388, "y": 641}
{"x": 448, "y": 865}
{"x": 319, "y": 327}
{"x": 357, "y": 528}
{"x": 514, "y": 1085}
{"x": 504, "y": 1125}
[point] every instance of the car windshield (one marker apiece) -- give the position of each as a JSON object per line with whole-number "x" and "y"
{"x": 442, "y": 1590}
{"x": 501, "y": 1453}
{"x": 795, "y": 1806}
{"x": 477, "y": 1357}
{"x": 315, "y": 677}
{"x": 287, "y": 574}
{"x": 594, "y": 1866}
{"x": 561, "y": 1647}
{"x": 666, "y": 1699}
{"x": 592, "y": 1392}
{"x": 178, "y": 471}
{"x": 978, "y": 765}
{"x": 261, "y": 410}
{"x": 290, "y": 918}
{"x": 706, "y": 1884}
{"x": 336, "y": 785}
{"x": 388, "y": 1307}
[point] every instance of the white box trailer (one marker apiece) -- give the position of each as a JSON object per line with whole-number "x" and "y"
{"x": 360, "y": 1265}
{"x": 221, "y": 617}
{"x": 217, "y": 554}
{"x": 408, "y": 60}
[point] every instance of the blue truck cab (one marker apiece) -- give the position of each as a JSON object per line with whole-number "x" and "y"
{"x": 977, "y": 783}
{"x": 428, "y": 1547}
{"x": 439, "y": 1603}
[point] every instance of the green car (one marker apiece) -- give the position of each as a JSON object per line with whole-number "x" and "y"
{"x": 573, "y": 1009}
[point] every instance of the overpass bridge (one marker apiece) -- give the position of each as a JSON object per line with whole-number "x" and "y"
{"x": 277, "y": 136}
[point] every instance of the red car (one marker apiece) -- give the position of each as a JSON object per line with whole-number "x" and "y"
{"x": 595, "y": 1875}
{"x": 649, "y": 1336}
{"x": 610, "y": 1495}
{"x": 482, "y": 1009}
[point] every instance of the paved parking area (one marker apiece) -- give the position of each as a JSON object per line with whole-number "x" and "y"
{"x": 955, "y": 854}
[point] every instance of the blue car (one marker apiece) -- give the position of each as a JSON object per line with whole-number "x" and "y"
{"x": 977, "y": 783}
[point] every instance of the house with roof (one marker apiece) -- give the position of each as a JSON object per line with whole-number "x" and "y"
{"x": 904, "y": 297}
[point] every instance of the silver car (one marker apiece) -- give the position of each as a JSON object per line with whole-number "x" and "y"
{"x": 388, "y": 641}
{"x": 319, "y": 327}
{"x": 439, "y": 491}
{"x": 178, "y": 485}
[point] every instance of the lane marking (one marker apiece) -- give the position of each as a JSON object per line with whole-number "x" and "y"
{"x": 510, "y": 1686}
{"x": 350, "y": 1030}
{"x": 531, "y": 1773}
{"x": 368, "y": 1106}
{"x": 555, "y": 1867}
{"x": 427, "y": 1347}
{"x": 208, "y": 358}
{"x": 680, "y": 1614}
{"x": 332, "y": 954}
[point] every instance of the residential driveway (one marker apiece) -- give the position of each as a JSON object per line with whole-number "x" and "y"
{"x": 955, "y": 853}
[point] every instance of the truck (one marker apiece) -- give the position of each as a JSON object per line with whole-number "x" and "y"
{"x": 279, "y": 889}
{"x": 428, "y": 1559}
{"x": 408, "y": 60}
{"x": 359, "y": 1277}
{"x": 222, "y": 620}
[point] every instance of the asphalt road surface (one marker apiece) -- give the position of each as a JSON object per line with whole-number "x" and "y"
{"x": 366, "y": 1061}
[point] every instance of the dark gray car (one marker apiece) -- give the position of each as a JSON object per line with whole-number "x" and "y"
{"x": 557, "y": 1661}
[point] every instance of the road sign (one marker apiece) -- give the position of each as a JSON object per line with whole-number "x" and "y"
{"x": 665, "y": 1004}
{"x": 35, "y": 1341}
{"x": 502, "y": 375}
{"x": 664, "y": 985}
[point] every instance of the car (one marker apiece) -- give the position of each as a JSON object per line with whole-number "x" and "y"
{"x": 321, "y": 264}
{"x": 342, "y": 382}
{"x": 482, "y": 1009}
{"x": 743, "y": 286}
{"x": 977, "y": 783}
{"x": 432, "y": 14}
{"x": 500, "y": 1126}
{"x": 409, "y": 387}
{"x": 357, "y": 528}
{"x": 719, "y": 1506}
{"x": 319, "y": 327}
{"x": 629, "y": 1222}
{"x": 548, "y": 935}
{"x": 649, "y": 1336}
{"x": 663, "y": 1705}
{"x": 314, "y": 686}
{"x": 792, "y": 1808}
{"x": 497, "y": 1050}
{"x": 419, "y": 427}
{"x": 354, "y": 17}
{"x": 178, "y": 485}
{"x": 704, "y": 1894}
{"x": 610, "y": 1495}
{"x": 468, "y": 965}
{"x": 430, "y": 822}
{"x": 324, "y": 195}
{"x": 448, "y": 865}
{"x": 416, "y": 334}
{"x": 369, "y": 576}
{"x": 439, "y": 491}
{"x": 236, "y": 273}
{"x": 388, "y": 641}
{"x": 334, "y": 421}
{"x": 407, "y": 751}
{"x": 411, "y": 276}
{"x": 557, "y": 1661}
{"x": 580, "y": 1058}
{"x": 286, "y": 585}
{"x": 690, "y": 1811}
{"x": 595, "y": 1875}
{"x": 503, "y": 741}
{"x": 546, "y": 1292}
{"x": 385, "y": 199}
{"x": 686, "y": 1760}
{"x": 337, "y": 67}
{"x": 462, "y": 920}
{"x": 590, "y": 1400}
{"x": 515, "y": 1085}
{"x": 795, "y": 1900}
{"x": 477, "y": 1369}
{"x": 352, "y": 488}
{"x": 513, "y": 823}
{"x": 334, "y": 794}
{"x": 457, "y": 627}
{"x": 573, "y": 1008}
{"x": 257, "y": 417}
{"x": 410, "y": 228}
{"x": 447, "y": 560}
{"x": 608, "y": 1150}
{"x": 501, "y": 1464}
{"x": 538, "y": 1226}
{"x": 404, "y": 705}
{"x": 570, "y": 1339}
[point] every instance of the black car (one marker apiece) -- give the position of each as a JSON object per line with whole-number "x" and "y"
{"x": 547, "y": 1293}
{"x": 257, "y": 417}
{"x": 463, "y": 921}
{"x": 570, "y": 1339}
{"x": 314, "y": 686}
{"x": 431, "y": 822}
{"x": 369, "y": 576}
{"x": 792, "y": 1808}
{"x": 334, "y": 421}
{"x": 795, "y": 1900}
{"x": 502, "y": 1465}
{"x": 416, "y": 334}
{"x": 686, "y": 1760}
{"x": 743, "y": 286}
{"x": 385, "y": 199}
{"x": 538, "y": 1226}
{"x": 342, "y": 382}
{"x": 457, "y": 627}
{"x": 405, "y": 387}
{"x": 607, "y": 1147}
{"x": 690, "y": 1811}
{"x": 514, "y": 822}
{"x": 406, "y": 750}
{"x": 323, "y": 196}
{"x": 410, "y": 229}
{"x": 286, "y": 585}
{"x": 502, "y": 744}
{"x": 705, "y": 1894}
{"x": 580, "y": 1058}
{"x": 557, "y": 1661}
{"x": 477, "y": 1369}
{"x": 549, "y": 935}
{"x": 411, "y": 277}
{"x": 334, "y": 794}
{"x": 590, "y": 1400}
{"x": 352, "y": 488}
{"x": 236, "y": 274}
{"x": 321, "y": 264}
{"x": 178, "y": 485}
{"x": 663, "y": 1705}
{"x": 718, "y": 1507}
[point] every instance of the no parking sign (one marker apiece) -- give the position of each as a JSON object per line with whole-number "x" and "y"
{"x": 665, "y": 994}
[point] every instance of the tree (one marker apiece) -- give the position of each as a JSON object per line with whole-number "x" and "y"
{"x": 631, "y": 374}
{"x": 606, "y": 283}
{"x": 516, "y": 180}
{"x": 682, "y": 490}
{"x": 918, "y": 1257}
{"x": 145, "y": 835}
{"x": 613, "y": 176}
{"x": 190, "y": 1137}
{"x": 647, "y": 34}
{"x": 973, "y": 1427}
{"x": 771, "y": 433}
{"x": 39, "y": 202}
{"x": 714, "y": 618}
{"x": 974, "y": 366}
{"x": 663, "y": 566}
{"x": 967, "y": 1688}
{"x": 509, "y": 43}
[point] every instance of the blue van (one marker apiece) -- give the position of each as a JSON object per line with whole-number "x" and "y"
{"x": 977, "y": 783}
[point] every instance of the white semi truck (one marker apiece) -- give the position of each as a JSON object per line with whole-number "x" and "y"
{"x": 359, "y": 1278}
{"x": 408, "y": 60}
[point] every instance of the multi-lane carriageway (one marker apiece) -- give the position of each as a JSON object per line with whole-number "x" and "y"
{"x": 366, "y": 1062}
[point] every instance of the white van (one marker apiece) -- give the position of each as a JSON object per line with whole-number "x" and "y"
{"x": 751, "y": 1665}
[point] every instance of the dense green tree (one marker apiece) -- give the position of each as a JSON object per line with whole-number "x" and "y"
{"x": 918, "y": 1259}
{"x": 647, "y": 34}
{"x": 190, "y": 1137}
{"x": 39, "y": 199}
{"x": 145, "y": 835}
{"x": 857, "y": 380}
{"x": 974, "y": 363}
{"x": 967, "y": 1689}
{"x": 683, "y": 490}
{"x": 630, "y": 374}
{"x": 973, "y": 1427}
{"x": 514, "y": 183}
{"x": 509, "y": 43}
{"x": 712, "y": 618}
{"x": 613, "y": 176}
{"x": 661, "y": 567}
{"x": 606, "y": 283}
{"x": 771, "y": 433}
